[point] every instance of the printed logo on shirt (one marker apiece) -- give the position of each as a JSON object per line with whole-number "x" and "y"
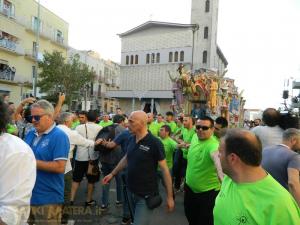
{"x": 144, "y": 148}
{"x": 45, "y": 143}
{"x": 242, "y": 219}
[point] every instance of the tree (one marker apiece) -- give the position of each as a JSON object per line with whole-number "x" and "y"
{"x": 58, "y": 76}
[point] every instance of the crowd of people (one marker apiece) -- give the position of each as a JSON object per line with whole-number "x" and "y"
{"x": 228, "y": 175}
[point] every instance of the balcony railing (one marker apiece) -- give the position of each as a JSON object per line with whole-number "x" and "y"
{"x": 7, "y": 12}
{"x": 7, "y": 74}
{"x": 108, "y": 81}
{"x": 11, "y": 46}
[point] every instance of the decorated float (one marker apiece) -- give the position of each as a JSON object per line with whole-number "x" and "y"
{"x": 205, "y": 92}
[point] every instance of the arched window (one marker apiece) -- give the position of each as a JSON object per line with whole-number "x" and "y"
{"x": 204, "y": 59}
{"x": 157, "y": 57}
{"x": 136, "y": 59}
{"x": 205, "y": 32}
{"x": 170, "y": 56}
{"x": 148, "y": 59}
{"x": 176, "y": 57}
{"x": 181, "y": 56}
{"x": 207, "y": 6}
{"x": 131, "y": 59}
{"x": 127, "y": 59}
{"x": 152, "y": 58}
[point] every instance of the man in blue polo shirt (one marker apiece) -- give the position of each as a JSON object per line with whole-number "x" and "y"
{"x": 144, "y": 153}
{"x": 50, "y": 146}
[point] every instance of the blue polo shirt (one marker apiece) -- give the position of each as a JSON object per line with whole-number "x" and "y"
{"x": 52, "y": 145}
{"x": 122, "y": 139}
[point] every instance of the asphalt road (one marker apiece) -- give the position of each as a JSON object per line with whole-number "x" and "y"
{"x": 92, "y": 215}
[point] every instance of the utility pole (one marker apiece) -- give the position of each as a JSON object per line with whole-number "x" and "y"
{"x": 37, "y": 50}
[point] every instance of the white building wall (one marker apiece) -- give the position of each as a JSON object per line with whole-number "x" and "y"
{"x": 148, "y": 77}
{"x": 157, "y": 38}
{"x": 164, "y": 56}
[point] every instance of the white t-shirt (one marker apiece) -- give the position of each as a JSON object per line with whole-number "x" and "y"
{"x": 75, "y": 139}
{"x": 89, "y": 131}
{"x": 268, "y": 135}
{"x": 17, "y": 179}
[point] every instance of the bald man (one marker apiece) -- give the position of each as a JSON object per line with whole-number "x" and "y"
{"x": 144, "y": 153}
{"x": 249, "y": 195}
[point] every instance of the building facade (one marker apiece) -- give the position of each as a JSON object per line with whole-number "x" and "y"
{"x": 107, "y": 79}
{"x": 21, "y": 45}
{"x": 154, "y": 49}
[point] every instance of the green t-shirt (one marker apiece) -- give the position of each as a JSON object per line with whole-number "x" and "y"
{"x": 75, "y": 124}
{"x": 173, "y": 126}
{"x": 201, "y": 173}
{"x": 103, "y": 124}
{"x": 264, "y": 202}
{"x": 170, "y": 147}
{"x": 153, "y": 128}
{"x": 159, "y": 125}
{"x": 187, "y": 135}
{"x": 11, "y": 128}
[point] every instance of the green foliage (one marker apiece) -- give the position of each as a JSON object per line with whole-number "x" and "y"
{"x": 58, "y": 76}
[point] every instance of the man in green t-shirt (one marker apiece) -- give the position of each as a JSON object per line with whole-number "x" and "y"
{"x": 169, "y": 144}
{"x": 159, "y": 121}
{"x": 105, "y": 121}
{"x": 170, "y": 121}
{"x": 152, "y": 126}
{"x": 203, "y": 174}
{"x": 249, "y": 195}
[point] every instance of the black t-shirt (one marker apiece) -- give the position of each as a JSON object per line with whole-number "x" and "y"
{"x": 142, "y": 158}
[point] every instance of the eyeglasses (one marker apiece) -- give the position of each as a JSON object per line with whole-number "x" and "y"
{"x": 198, "y": 127}
{"x": 36, "y": 118}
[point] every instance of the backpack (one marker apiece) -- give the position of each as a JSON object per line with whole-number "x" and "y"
{"x": 107, "y": 133}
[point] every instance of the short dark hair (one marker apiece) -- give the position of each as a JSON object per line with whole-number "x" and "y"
{"x": 245, "y": 145}
{"x": 221, "y": 120}
{"x": 118, "y": 119}
{"x": 83, "y": 113}
{"x": 167, "y": 128}
{"x": 169, "y": 113}
{"x": 209, "y": 119}
{"x": 4, "y": 116}
{"x": 271, "y": 117}
{"x": 91, "y": 116}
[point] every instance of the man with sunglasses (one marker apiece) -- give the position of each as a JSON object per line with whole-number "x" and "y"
{"x": 50, "y": 146}
{"x": 203, "y": 174}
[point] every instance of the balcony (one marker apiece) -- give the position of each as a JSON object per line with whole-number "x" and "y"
{"x": 59, "y": 41}
{"x": 108, "y": 81}
{"x": 11, "y": 47}
{"x": 8, "y": 74}
{"x": 7, "y": 12}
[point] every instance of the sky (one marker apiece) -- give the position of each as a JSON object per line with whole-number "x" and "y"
{"x": 259, "y": 38}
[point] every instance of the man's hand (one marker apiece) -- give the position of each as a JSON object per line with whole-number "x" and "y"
{"x": 28, "y": 100}
{"x": 61, "y": 97}
{"x": 99, "y": 141}
{"x": 170, "y": 204}
{"x": 107, "y": 179}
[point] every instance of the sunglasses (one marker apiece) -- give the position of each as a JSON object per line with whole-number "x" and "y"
{"x": 36, "y": 118}
{"x": 198, "y": 127}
